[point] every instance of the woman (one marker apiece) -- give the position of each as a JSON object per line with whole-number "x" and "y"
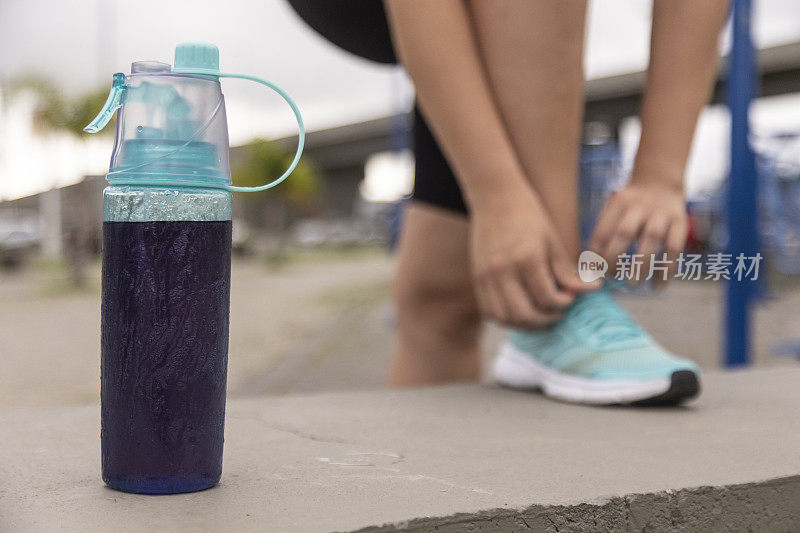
{"x": 492, "y": 232}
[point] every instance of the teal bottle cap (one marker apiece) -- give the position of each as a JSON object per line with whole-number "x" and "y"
{"x": 197, "y": 56}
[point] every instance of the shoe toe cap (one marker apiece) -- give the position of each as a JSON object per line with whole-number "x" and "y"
{"x": 662, "y": 370}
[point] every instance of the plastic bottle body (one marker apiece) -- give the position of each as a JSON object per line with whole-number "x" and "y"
{"x": 164, "y": 349}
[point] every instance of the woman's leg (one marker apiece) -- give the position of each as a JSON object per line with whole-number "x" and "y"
{"x": 439, "y": 322}
{"x": 533, "y": 55}
{"x": 532, "y": 51}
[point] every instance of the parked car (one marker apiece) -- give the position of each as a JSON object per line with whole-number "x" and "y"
{"x": 19, "y": 237}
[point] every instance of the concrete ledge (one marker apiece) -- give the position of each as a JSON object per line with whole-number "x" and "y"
{"x": 451, "y": 458}
{"x": 766, "y": 506}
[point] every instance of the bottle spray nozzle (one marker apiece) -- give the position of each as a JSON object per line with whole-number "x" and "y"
{"x": 115, "y": 100}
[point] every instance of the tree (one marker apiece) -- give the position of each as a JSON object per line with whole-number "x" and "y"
{"x": 262, "y": 161}
{"x": 55, "y": 111}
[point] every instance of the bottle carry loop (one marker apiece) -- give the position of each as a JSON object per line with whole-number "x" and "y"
{"x": 301, "y": 129}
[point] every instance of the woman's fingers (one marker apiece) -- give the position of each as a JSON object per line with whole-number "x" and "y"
{"x": 651, "y": 241}
{"x": 604, "y": 229}
{"x": 519, "y": 304}
{"x": 542, "y": 288}
{"x": 626, "y": 232}
{"x": 519, "y": 308}
{"x": 521, "y": 295}
{"x": 563, "y": 270}
{"x": 653, "y": 217}
{"x": 674, "y": 242}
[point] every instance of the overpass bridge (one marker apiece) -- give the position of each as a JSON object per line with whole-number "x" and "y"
{"x": 341, "y": 152}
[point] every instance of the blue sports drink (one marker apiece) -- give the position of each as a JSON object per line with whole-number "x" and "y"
{"x": 166, "y": 288}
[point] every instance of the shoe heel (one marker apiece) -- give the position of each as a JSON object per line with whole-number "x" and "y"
{"x": 512, "y": 369}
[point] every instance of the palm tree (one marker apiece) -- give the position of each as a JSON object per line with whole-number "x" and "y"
{"x": 56, "y": 112}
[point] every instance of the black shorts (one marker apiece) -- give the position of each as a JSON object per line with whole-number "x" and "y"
{"x": 360, "y": 27}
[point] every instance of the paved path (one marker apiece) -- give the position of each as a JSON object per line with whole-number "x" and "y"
{"x": 50, "y": 336}
{"x": 322, "y": 324}
{"x": 456, "y": 458}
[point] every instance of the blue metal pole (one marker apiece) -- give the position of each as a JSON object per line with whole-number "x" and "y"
{"x": 742, "y": 213}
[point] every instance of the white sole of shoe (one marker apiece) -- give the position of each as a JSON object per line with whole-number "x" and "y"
{"x": 514, "y": 368}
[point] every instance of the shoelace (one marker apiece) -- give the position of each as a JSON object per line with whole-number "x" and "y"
{"x": 602, "y": 321}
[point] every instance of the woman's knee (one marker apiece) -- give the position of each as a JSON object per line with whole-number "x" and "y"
{"x": 433, "y": 288}
{"x": 444, "y": 306}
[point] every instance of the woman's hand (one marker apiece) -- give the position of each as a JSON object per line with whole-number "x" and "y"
{"x": 653, "y": 214}
{"x": 523, "y": 275}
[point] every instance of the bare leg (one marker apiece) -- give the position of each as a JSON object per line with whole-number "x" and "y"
{"x": 533, "y": 52}
{"x": 438, "y": 318}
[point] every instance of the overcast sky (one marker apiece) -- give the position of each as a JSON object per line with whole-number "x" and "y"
{"x": 79, "y": 44}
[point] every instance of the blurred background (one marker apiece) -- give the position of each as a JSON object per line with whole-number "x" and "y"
{"x": 310, "y": 307}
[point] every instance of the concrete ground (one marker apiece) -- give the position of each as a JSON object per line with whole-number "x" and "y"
{"x": 450, "y": 459}
{"x": 322, "y": 322}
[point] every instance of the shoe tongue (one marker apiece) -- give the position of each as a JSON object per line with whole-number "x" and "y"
{"x": 599, "y": 300}
{"x": 598, "y": 316}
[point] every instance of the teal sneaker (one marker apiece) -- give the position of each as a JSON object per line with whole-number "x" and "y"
{"x": 596, "y": 354}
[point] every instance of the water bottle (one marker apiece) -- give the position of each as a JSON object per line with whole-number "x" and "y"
{"x": 166, "y": 273}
